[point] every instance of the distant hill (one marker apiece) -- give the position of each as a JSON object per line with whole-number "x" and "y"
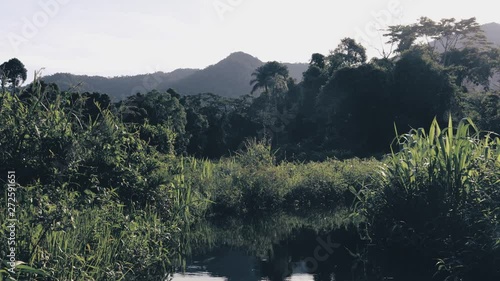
{"x": 296, "y": 70}
{"x": 229, "y": 77}
{"x": 492, "y": 32}
{"x": 117, "y": 88}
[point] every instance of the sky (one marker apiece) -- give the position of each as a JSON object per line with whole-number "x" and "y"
{"x": 127, "y": 37}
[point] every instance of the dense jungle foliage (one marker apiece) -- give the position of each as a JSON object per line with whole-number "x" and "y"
{"x": 406, "y": 145}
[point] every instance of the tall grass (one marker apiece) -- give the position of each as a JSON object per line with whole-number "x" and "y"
{"x": 188, "y": 202}
{"x": 456, "y": 161}
{"x": 97, "y": 242}
{"x": 440, "y": 197}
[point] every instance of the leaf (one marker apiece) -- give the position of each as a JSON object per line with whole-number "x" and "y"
{"x": 31, "y": 270}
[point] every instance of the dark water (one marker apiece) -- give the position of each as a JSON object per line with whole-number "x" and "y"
{"x": 293, "y": 247}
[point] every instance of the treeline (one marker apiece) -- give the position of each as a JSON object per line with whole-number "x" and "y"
{"x": 342, "y": 102}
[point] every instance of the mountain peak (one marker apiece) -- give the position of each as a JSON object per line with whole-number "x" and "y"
{"x": 491, "y": 24}
{"x": 243, "y": 58}
{"x": 240, "y": 54}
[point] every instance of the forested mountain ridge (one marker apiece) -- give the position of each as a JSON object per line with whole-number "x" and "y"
{"x": 229, "y": 77}
{"x": 118, "y": 87}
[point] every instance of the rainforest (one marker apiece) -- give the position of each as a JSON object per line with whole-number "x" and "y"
{"x": 381, "y": 169}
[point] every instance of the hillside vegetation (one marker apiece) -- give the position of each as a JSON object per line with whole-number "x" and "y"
{"x": 397, "y": 146}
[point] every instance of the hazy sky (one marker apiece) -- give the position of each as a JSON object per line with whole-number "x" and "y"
{"x": 124, "y": 37}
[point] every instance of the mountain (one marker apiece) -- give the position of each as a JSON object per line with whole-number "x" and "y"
{"x": 296, "y": 70}
{"x": 117, "y": 88}
{"x": 492, "y": 32}
{"x": 230, "y": 78}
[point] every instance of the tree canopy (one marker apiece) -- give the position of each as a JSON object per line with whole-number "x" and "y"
{"x": 13, "y": 73}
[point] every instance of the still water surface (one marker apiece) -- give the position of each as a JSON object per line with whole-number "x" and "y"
{"x": 291, "y": 247}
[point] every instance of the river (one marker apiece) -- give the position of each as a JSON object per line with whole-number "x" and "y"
{"x": 317, "y": 246}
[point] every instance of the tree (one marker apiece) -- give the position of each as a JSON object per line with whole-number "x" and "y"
{"x": 402, "y": 35}
{"x": 217, "y": 125}
{"x": 160, "y": 112}
{"x": 353, "y": 107}
{"x": 442, "y": 36}
{"x": 473, "y": 65}
{"x": 461, "y": 46}
{"x": 272, "y": 75}
{"x": 318, "y": 60}
{"x": 313, "y": 79}
{"x": 484, "y": 109}
{"x": 347, "y": 54}
{"x": 423, "y": 90}
{"x": 13, "y": 72}
{"x": 447, "y": 34}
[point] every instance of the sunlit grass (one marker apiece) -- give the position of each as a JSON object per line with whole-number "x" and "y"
{"x": 440, "y": 195}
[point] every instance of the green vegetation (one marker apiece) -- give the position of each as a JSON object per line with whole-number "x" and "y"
{"x": 122, "y": 191}
{"x": 440, "y": 195}
{"x": 251, "y": 182}
{"x": 93, "y": 198}
{"x": 12, "y": 74}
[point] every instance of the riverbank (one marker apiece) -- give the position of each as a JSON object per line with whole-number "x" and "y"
{"x": 95, "y": 200}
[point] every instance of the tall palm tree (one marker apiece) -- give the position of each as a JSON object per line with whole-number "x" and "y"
{"x": 267, "y": 76}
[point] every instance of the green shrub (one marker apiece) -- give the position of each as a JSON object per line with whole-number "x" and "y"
{"x": 241, "y": 188}
{"x": 440, "y": 196}
{"x": 252, "y": 182}
{"x": 330, "y": 183}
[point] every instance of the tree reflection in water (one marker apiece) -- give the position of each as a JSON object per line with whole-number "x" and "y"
{"x": 320, "y": 247}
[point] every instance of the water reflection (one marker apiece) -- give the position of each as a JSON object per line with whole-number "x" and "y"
{"x": 320, "y": 247}
{"x": 201, "y": 276}
{"x": 205, "y": 276}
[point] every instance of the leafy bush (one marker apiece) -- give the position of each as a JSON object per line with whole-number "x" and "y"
{"x": 94, "y": 198}
{"x": 251, "y": 182}
{"x": 46, "y": 140}
{"x": 330, "y": 183}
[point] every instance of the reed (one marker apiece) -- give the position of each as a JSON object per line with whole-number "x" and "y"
{"x": 439, "y": 197}
{"x": 456, "y": 161}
